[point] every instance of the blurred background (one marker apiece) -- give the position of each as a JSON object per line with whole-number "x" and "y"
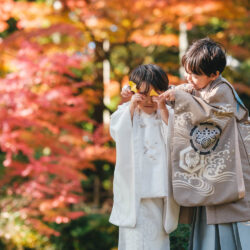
{"x": 62, "y": 65}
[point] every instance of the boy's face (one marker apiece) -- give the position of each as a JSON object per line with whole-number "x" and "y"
{"x": 200, "y": 81}
{"x": 146, "y": 105}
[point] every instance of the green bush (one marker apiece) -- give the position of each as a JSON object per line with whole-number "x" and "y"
{"x": 90, "y": 232}
{"x": 180, "y": 237}
{"x": 93, "y": 232}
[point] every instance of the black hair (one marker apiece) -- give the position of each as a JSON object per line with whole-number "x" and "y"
{"x": 204, "y": 56}
{"x": 150, "y": 74}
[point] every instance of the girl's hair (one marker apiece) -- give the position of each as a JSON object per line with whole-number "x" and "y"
{"x": 204, "y": 56}
{"x": 149, "y": 74}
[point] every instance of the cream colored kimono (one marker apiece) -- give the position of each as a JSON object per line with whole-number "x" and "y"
{"x": 129, "y": 177}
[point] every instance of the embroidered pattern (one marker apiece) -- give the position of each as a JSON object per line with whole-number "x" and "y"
{"x": 150, "y": 146}
{"x": 148, "y": 234}
{"x": 182, "y": 121}
{"x": 205, "y": 137}
{"x": 193, "y": 181}
{"x": 224, "y": 111}
{"x": 202, "y": 170}
{"x": 190, "y": 160}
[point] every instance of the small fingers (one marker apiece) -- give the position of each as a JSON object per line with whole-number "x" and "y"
{"x": 169, "y": 95}
{"x": 138, "y": 97}
{"x": 164, "y": 93}
{"x": 126, "y": 87}
{"x": 126, "y": 94}
{"x": 155, "y": 98}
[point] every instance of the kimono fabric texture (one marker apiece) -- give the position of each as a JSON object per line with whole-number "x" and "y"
{"x": 143, "y": 207}
{"x": 217, "y": 115}
{"x": 149, "y": 233}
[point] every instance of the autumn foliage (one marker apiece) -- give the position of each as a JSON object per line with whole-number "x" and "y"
{"x": 51, "y": 86}
{"x": 44, "y": 107}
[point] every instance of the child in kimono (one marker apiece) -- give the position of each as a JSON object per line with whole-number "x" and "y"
{"x": 210, "y": 151}
{"x": 215, "y": 129}
{"x": 143, "y": 208}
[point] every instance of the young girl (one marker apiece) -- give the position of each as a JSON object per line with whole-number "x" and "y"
{"x": 143, "y": 205}
{"x": 212, "y": 152}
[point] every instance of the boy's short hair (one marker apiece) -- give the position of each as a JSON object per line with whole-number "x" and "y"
{"x": 204, "y": 56}
{"x": 150, "y": 74}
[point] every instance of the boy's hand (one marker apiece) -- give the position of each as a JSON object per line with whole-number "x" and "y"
{"x": 187, "y": 87}
{"x": 169, "y": 95}
{"x": 126, "y": 92}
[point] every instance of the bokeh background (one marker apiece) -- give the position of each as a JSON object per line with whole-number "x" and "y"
{"x": 62, "y": 64}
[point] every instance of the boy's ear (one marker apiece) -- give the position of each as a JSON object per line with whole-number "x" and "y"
{"x": 214, "y": 76}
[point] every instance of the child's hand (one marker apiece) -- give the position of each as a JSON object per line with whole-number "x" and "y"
{"x": 160, "y": 100}
{"x": 169, "y": 95}
{"x": 187, "y": 87}
{"x": 136, "y": 98}
{"x": 134, "y": 102}
{"x": 161, "y": 103}
{"x": 126, "y": 92}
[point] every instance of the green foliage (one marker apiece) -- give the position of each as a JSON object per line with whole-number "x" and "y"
{"x": 93, "y": 232}
{"x": 180, "y": 237}
{"x": 12, "y": 28}
{"x": 90, "y": 232}
{"x": 16, "y": 234}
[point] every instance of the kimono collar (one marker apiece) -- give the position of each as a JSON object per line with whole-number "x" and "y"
{"x": 220, "y": 80}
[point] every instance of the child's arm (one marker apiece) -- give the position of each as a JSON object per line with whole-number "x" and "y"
{"x": 127, "y": 94}
{"x": 161, "y": 103}
{"x": 134, "y": 102}
{"x": 170, "y": 94}
{"x": 187, "y": 87}
{"x": 164, "y": 114}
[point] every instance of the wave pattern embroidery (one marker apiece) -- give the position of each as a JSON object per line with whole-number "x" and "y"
{"x": 201, "y": 171}
{"x": 215, "y": 165}
{"x": 193, "y": 181}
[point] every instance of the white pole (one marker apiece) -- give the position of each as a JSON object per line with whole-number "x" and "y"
{"x": 106, "y": 82}
{"x": 183, "y": 45}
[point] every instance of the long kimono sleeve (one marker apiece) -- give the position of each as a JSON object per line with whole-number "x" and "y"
{"x": 207, "y": 169}
{"x": 123, "y": 211}
{"x": 120, "y": 122}
{"x": 224, "y": 95}
{"x": 171, "y": 208}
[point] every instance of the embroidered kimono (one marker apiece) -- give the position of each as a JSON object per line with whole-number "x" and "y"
{"x": 143, "y": 199}
{"x": 211, "y": 149}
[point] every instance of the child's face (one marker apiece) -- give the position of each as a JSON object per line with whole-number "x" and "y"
{"x": 200, "y": 81}
{"x": 147, "y": 105}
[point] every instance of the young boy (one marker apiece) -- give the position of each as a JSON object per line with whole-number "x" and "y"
{"x": 143, "y": 206}
{"x": 211, "y": 149}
